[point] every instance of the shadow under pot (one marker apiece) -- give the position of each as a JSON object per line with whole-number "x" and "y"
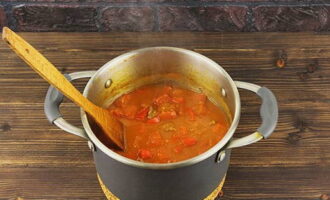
{"x": 192, "y": 179}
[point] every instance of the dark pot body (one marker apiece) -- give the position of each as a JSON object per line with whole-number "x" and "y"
{"x": 193, "y": 182}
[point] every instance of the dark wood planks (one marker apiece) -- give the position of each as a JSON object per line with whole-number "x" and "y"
{"x": 39, "y": 161}
{"x": 277, "y": 182}
{"x": 50, "y": 183}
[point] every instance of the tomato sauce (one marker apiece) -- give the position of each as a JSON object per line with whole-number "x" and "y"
{"x": 165, "y": 123}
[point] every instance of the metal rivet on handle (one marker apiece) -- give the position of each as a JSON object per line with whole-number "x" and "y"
{"x": 221, "y": 156}
{"x": 91, "y": 146}
{"x": 223, "y": 92}
{"x": 108, "y": 83}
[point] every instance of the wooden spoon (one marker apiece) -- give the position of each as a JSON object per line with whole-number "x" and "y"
{"x": 111, "y": 127}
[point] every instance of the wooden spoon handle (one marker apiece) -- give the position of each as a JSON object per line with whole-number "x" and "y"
{"x": 48, "y": 71}
{"x": 44, "y": 68}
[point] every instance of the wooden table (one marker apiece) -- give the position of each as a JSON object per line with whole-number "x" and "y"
{"x": 39, "y": 161}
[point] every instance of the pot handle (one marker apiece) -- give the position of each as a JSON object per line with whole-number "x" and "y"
{"x": 268, "y": 112}
{"x": 53, "y": 101}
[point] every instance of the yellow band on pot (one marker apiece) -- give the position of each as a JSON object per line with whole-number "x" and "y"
{"x": 111, "y": 196}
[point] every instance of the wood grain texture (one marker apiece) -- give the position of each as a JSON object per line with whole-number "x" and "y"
{"x": 39, "y": 161}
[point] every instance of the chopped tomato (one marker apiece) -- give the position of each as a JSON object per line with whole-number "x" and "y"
{"x": 189, "y": 141}
{"x": 154, "y": 120}
{"x": 177, "y": 99}
{"x": 142, "y": 113}
{"x": 168, "y": 115}
{"x": 144, "y": 154}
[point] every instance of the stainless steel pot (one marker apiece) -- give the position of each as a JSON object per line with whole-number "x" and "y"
{"x": 192, "y": 179}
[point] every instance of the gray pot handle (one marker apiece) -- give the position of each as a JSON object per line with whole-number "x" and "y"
{"x": 53, "y": 101}
{"x": 268, "y": 112}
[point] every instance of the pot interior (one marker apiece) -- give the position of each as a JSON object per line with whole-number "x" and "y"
{"x": 162, "y": 65}
{"x": 165, "y": 65}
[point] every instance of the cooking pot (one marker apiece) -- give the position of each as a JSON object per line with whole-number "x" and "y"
{"x": 191, "y": 179}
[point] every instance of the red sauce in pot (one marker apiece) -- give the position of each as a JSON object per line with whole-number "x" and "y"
{"x": 167, "y": 124}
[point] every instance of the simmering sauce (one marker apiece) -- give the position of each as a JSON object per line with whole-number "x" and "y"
{"x": 165, "y": 123}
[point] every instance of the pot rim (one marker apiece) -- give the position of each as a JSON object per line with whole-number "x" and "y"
{"x": 162, "y": 166}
